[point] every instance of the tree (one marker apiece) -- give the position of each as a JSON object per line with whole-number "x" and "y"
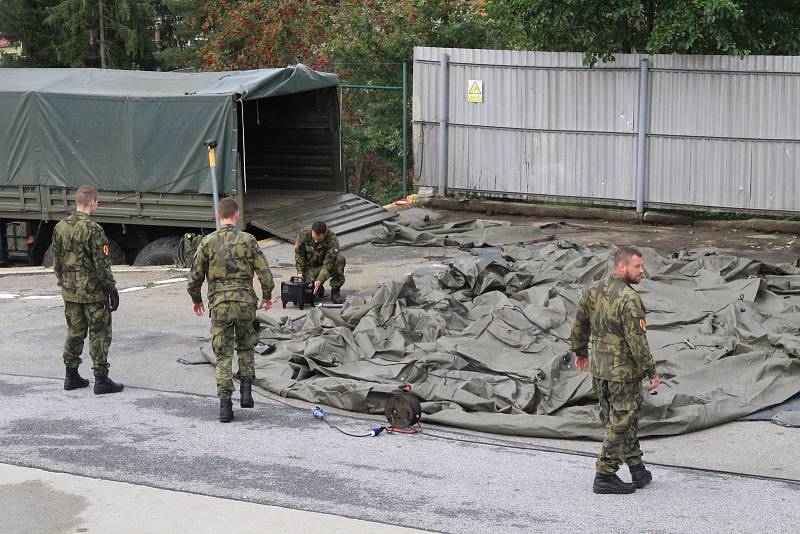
{"x": 138, "y": 34}
{"x": 601, "y": 28}
{"x": 245, "y": 34}
{"x": 179, "y": 25}
{"x": 128, "y": 35}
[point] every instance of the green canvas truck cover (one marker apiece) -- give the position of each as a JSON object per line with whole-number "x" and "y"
{"x": 130, "y": 130}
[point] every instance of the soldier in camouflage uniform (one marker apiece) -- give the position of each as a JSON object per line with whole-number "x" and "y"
{"x": 612, "y": 316}
{"x": 316, "y": 255}
{"x": 83, "y": 269}
{"x": 228, "y": 258}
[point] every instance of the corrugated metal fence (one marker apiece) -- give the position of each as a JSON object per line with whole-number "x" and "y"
{"x": 718, "y": 131}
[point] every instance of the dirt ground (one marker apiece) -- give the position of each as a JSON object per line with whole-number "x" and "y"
{"x": 768, "y": 247}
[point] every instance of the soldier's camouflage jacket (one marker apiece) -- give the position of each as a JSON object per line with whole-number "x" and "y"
{"x": 81, "y": 260}
{"x": 308, "y": 254}
{"x": 228, "y": 258}
{"x": 611, "y": 314}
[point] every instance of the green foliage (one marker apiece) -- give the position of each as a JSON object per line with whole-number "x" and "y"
{"x": 66, "y": 33}
{"x": 602, "y": 28}
{"x": 246, "y": 34}
{"x": 370, "y": 41}
{"x": 179, "y": 34}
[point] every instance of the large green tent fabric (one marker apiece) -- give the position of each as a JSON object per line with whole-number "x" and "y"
{"x": 483, "y": 342}
{"x": 130, "y": 130}
{"x": 468, "y": 233}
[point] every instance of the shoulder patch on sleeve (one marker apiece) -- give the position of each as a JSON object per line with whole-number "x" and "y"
{"x": 642, "y": 325}
{"x": 105, "y": 250}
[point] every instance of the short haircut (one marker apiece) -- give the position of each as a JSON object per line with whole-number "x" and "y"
{"x": 85, "y": 195}
{"x": 319, "y": 228}
{"x": 624, "y": 255}
{"x": 227, "y": 208}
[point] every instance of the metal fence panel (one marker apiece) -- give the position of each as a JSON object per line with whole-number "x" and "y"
{"x": 699, "y": 172}
{"x": 723, "y": 132}
{"x": 541, "y": 163}
{"x": 720, "y": 104}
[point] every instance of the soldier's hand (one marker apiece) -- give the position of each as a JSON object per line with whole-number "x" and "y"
{"x": 113, "y": 300}
{"x": 582, "y": 363}
{"x": 266, "y": 304}
{"x": 655, "y": 382}
{"x": 317, "y": 286}
{"x": 199, "y": 309}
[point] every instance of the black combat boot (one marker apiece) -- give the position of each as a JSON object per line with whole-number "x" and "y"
{"x": 611, "y": 484}
{"x": 74, "y": 380}
{"x": 103, "y": 385}
{"x": 246, "y": 393}
{"x": 640, "y": 476}
{"x": 336, "y": 296}
{"x": 225, "y": 410}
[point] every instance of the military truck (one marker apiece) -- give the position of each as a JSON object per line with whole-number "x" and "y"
{"x": 139, "y": 138}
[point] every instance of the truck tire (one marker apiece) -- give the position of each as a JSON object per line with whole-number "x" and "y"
{"x": 162, "y": 251}
{"x": 115, "y": 252}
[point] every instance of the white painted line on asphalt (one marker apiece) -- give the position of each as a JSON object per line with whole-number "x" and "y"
{"x": 134, "y": 288}
{"x": 10, "y": 296}
{"x": 10, "y": 271}
{"x": 170, "y": 281}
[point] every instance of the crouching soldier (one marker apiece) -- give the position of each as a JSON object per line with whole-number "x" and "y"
{"x": 228, "y": 258}
{"x": 317, "y": 258}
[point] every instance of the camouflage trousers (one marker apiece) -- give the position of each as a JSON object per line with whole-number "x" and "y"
{"x": 620, "y": 404}
{"x": 337, "y": 273}
{"x": 94, "y": 318}
{"x": 232, "y": 325}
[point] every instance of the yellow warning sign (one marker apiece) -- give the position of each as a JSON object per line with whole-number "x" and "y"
{"x": 475, "y": 91}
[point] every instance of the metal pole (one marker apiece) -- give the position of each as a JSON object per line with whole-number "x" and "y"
{"x": 644, "y": 110}
{"x": 212, "y": 163}
{"x": 444, "y": 93}
{"x": 244, "y": 148}
{"x": 405, "y": 129}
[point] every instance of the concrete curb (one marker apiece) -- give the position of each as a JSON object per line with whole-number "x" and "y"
{"x": 492, "y": 207}
{"x": 759, "y": 225}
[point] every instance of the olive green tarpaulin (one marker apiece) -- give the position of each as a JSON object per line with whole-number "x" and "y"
{"x": 130, "y": 130}
{"x": 468, "y": 233}
{"x": 483, "y": 342}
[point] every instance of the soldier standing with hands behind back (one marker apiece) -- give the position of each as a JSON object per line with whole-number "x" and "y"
{"x": 83, "y": 269}
{"x": 228, "y": 258}
{"x": 611, "y": 314}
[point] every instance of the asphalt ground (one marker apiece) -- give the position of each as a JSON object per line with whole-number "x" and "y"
{"x": 283, "y": 456}
{"x": 162, "y": 432}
